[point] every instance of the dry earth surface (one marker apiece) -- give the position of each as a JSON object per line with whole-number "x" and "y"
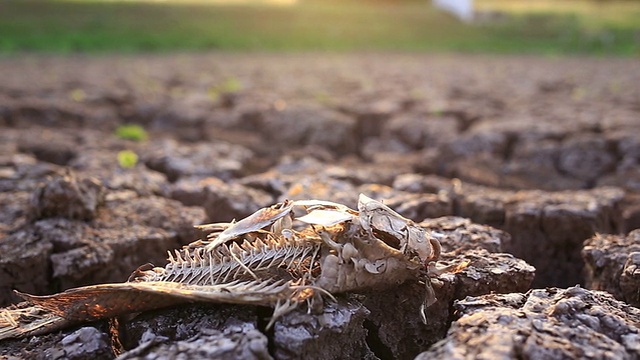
{"x": 517, "y": 161}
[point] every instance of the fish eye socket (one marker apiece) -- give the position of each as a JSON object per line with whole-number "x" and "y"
{"x": 387, "y": 238}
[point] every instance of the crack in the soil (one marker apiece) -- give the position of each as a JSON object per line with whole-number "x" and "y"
{"x": 264, "y": 314}
{"x": 374, "y": 342}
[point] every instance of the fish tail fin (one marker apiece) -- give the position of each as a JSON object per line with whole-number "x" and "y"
{"x": 24, "y": 319}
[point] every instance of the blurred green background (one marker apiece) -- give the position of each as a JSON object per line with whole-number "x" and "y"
{"x": 500, "y": 26}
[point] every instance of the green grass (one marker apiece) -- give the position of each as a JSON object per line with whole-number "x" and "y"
{"x": 332, "y": 25}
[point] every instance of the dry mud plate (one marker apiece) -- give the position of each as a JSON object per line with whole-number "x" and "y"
{"x": 527, "y": 169}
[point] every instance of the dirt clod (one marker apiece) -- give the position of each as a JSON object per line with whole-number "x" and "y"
{"x": 613, "y": 265}
{"x": 69, "y": 197}
{"x": 552, "y": 323}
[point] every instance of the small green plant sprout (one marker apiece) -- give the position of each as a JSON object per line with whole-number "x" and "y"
{"x": 322, "y": 97}
{"x": 127, "y": 159}
{"x": 231, "y": 85}
{"x": 417, "y": 94}
{"x": 213, "y": 93}
{"x": 77, "y": 95}
{"x": 578, "y": 93}
{"x": 133, "y": 132}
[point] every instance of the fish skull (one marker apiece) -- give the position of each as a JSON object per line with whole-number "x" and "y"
{"x": 396, "y": 231}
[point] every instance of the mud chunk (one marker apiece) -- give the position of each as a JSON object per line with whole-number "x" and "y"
{"x": 23, "y": 265}
{"x": 195, "y": 331}
{"x": 630, "y": 279}
{"x": 627, "y": 173}
{"x": 613, "y": 265}
{"x": 547, "y": 228}
{"x": 68, "y": 196}
{"x": 84, "y": 343}
{"x": 524, "y": 155}
{"x": 586, "y": 157}
{"x": 371, "y": 115}
{"x": 475, "y": 156}
{"x": 337, "y": 332}
{"x": 33, "y": 111}
{"x": 339, "y": 191}
{"x": 489, "y": 273}
{"x": 140, "y": 230}
{"x": 420, "y": 206}
{"x": 14, "y": 210}
{"x": 222, "y": 201}
{"x": 230, "y": 343}
{"x": 56, "y": 152}
{"x": 301, "y": 175}
{"x": 125, "y": 209}
{"x": 479, "y": 142}
{"x": 293, "y": 177}
{"x": 184, "y": 322}
{"x": 300, "y": 125}
{"x": 458, "y": 235}
{"x": 420, "y": 131}
{"x": 104, "y": 166}
{"x": 631, "y": 212}
{"x": 552, "y": 323}
{"x": 395, "y": 328}
{"x": 186, "y": 119}
{"x": 534, "y": 165}
{"x": 219, "y": 159}
{"x": 76, "y": 263}
{"x": 375, "y": 148}
{"x": 192, "y": 191}
{"x": 84, "y": 255}
{"x": 418, "y": 183}
{"x": 76, "y": 253}
{"x": 54, "y": 254}
{"x": 21, "y": 172}
{"x": 382, "y": 171}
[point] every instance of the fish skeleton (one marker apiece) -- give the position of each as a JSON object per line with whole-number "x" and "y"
{"x": 270, "y": 258}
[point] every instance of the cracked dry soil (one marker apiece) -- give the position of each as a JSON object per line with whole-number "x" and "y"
{"x": 527, "y": 166}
